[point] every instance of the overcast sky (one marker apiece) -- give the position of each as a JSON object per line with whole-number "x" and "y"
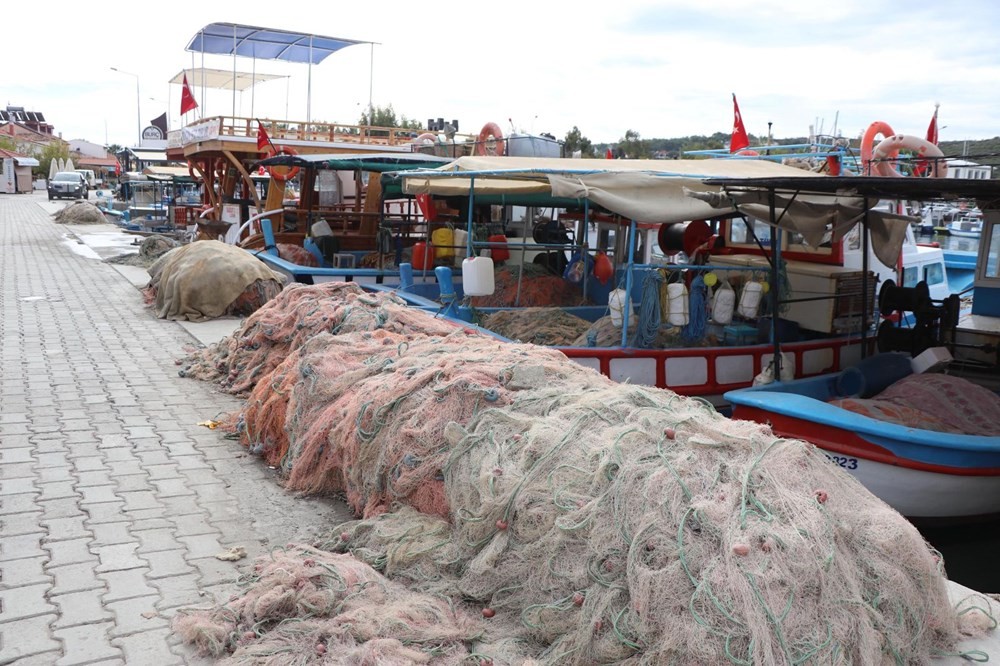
{"x": 664, "y": 68}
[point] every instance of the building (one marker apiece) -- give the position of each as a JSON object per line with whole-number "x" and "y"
{"x": 15, "y": 172}
{"x": 965, "y": 169}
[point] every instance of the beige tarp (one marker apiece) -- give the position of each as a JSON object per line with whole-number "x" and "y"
{"x": 662, "y": 191}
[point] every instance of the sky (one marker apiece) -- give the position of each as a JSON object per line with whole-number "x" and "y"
{"x": 665, "y": 68}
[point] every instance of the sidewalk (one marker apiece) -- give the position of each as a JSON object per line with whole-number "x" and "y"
{"x": 113, "y": 501}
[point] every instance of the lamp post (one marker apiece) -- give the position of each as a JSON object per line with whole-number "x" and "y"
{"x": 138, "y": 113}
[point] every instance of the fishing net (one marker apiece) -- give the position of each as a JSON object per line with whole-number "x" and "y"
{"x": 537, "y": 288}
{"x": 208, "y": 279}
{"x": 150, "y": 249}
{"x": 80, "y": 212}
{"x": 604, "y": 333}
{"x": 584, "y": 521}
{"x": 296, "y": 254}
{"x": 538, "y": 326}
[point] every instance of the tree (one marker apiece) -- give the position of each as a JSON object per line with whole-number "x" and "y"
{"x": 632, "y": 146}
{"x": 575, "y": 141}
{"x": 378, "y": 116}
{"x": 51, "y": 151}
{"x": 8, "y": 143}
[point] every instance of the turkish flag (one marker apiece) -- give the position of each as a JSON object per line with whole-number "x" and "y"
{"x": 263, "y": 140}
{"x": 740, "y": 140}
{"x": 932, "y": 129}
{"x": 188, "y": 102}
{"x": 609, "y": 155}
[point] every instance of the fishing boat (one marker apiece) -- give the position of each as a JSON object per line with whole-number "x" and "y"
{"x": 645, "y": 205}
{"x": 926, "y": 456}
{"x": 967, "y": 225}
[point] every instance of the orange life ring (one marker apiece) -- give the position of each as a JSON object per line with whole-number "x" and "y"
{"x": 427, "y": 138}
{"x": 491, "y": 135}
{"x": 278, "y": 175}
{"x": 891, "y": 146}
{"x": 868, "y": 145}
{"x": 746, "y": 152}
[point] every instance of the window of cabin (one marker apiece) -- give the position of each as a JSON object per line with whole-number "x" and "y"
{"x": 911, "y": 276}
{"x": 933, "y": 274}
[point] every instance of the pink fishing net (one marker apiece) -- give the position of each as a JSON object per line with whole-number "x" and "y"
{"x": 576, "y": 520}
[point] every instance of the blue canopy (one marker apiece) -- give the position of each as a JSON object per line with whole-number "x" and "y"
{"x": 266, "y": 43}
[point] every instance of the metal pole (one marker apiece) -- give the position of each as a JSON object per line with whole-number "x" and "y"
{"x": 864, "y": 281}
{"x": 775, "y": 285}
{"x": 138, "y": 108}
{"x": 627, "y": 312}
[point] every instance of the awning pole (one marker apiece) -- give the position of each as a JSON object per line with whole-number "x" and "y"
{"x": 371, "y": 75}
{"x": 234, "y": 74}
{"x": 309, "y": 86}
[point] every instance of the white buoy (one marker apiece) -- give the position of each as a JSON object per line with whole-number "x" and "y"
{"x": 723, "y": 304}
{"x": 460, "y": 239}
{"x": 477, "y": 276}
{"x": 677, "y": 303}
{"x": 750, "y": 300}
{"x": 617, "y": 303}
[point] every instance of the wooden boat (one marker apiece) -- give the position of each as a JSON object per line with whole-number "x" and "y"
{"x": 918, "y": 469}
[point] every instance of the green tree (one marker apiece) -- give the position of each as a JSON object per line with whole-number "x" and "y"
{"x": 575, "y": 141}
{"x": 51, "y": 151}
{"x": 7, "y": 143}
{"x": 378, "y": 116}
{"x": 633, "y": 146}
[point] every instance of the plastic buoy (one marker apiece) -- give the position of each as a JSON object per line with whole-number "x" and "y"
{"x": 616, "y": 306}
{"x": 603, "y": 268}
{"x": 499, "y": 253}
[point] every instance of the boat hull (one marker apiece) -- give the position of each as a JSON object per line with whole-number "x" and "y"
{"x": 925, "y": 475}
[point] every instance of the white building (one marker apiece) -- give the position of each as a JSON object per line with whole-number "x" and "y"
{"x": 965, "y": 169}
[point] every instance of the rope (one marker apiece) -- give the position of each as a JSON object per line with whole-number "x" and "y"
{"x": 650, "y": 315}
{"x": 698, "y": 316}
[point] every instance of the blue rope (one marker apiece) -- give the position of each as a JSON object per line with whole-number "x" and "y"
{"x": 650, "y": 315}
{"x": 698, "y": 311}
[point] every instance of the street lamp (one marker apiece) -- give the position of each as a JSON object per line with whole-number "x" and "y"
{"x": 138, "y": 113}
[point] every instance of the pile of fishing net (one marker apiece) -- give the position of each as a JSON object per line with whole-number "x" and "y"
{"x": 538, "y": 326}
{"x": 604, "y": 333}
{"x": 80, "y": 212}
{"x": 208, "y": 279}
{"x": 150, "y": 249}
{"x": 535, "y": 286}
{"x": 577, "y": 520}
{"x": 296, "y": 254}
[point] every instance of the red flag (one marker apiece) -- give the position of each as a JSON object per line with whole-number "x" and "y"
{"x": 118, "y": 168}
{"x": 932, "y": 129}
{"x": 263, "y": 140}
{"x": 740, "y": 140}
{"x": 609, "y": 155}
{"x": 188, "y": 102}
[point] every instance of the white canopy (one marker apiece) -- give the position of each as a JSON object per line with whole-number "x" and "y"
{"x": 661, "y": 191}
{"x": 223, "y": 78}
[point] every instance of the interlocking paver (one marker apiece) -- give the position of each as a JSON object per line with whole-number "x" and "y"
{"x": 113, "y": 501}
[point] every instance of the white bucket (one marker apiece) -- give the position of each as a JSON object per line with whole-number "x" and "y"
{"x": 617, "y": 302}
{"x": 677, "y": 303}
{"x": 477, "y": 276}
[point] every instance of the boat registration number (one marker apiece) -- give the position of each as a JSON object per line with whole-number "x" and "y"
{"x": 846, "y": 463}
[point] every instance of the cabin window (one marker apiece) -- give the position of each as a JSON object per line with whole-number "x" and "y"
{"x": 933, "y": 274}
{"x": 993, "y": 253}
{"x": 742, "y": 232}
{"x": 911, "y": 276}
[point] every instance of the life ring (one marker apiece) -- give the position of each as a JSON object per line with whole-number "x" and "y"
{"x": 427, "y": 138}
{"x": 746, "y": 152}
{"x": 868, "y": 142}
{"x": 491, "y": 141}
{"x": 891, "y": 146}
{"x": 291, "y": 172}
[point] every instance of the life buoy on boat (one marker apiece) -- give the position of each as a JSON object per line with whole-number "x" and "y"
{"x": 426, "y": 139}
{"x": 491, "y": 141}
{"x": 891, "y": 146}
{"x": 746, "y": 152}
{"x": 282, "y": 176}
{"x": 868, "y": 143}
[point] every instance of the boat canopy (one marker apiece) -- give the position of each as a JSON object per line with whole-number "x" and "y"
{"x": 669, "y": 191}
{"x": 222, "y": 78}
{"x": 266, "y": 43}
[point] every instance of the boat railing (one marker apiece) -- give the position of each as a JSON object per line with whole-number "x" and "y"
{"x": 217, "y": 127}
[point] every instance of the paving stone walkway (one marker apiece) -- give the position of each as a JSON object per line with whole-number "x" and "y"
{"x": 113, "y": 501}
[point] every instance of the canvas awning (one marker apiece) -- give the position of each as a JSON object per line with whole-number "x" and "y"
{"x": 25, "y": 161}
{"x": 224, "y": 79}
{"x": 375, "y": 162}
{"x": 664, "y": 191}
{"x": 266, "y": 43}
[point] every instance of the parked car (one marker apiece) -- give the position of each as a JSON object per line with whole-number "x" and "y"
{"x": 69, "y": 184}
{"x": 93, "y": 182}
